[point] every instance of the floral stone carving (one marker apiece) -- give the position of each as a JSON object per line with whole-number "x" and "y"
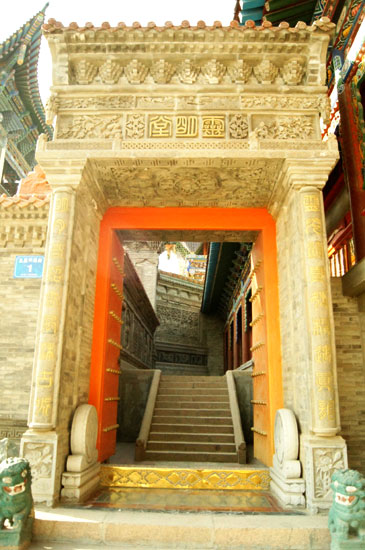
{"x": 266, "y": 72}
{"x": 238, "y": 127}
{"x": 110, "y": 72}
{"x": 135, "y": 126}
{"x": 346, "y": 520}
{"x": 89, "y": 127}
{"x": 285, "y": 128}
{"x": 135, "y": 72}
{"x": 293, "y": 72}
{"x": 162, "y": 71}
{"x": 16, "y": 504}
{"x": 187, "y": 72}
{"x": 85, "y": 72}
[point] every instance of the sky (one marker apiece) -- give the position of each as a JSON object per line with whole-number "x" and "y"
{"x": 15, "y": 13}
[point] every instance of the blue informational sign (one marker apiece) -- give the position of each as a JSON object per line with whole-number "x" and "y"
{"x": 28, "y": 267}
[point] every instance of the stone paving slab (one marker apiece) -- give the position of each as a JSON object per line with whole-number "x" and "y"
{"x": 81, "y": 529}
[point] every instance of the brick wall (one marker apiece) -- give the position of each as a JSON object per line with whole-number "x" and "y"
{"x": 350, "y": 350}
{"x": 19, "y": 301}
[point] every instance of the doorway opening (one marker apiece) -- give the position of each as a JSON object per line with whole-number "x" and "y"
{"x": 126, "y": 222}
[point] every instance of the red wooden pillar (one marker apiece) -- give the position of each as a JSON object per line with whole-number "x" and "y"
{"x": 353, "y": 169}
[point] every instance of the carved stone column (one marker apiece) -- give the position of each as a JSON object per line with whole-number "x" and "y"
{"x": 313, "y": 347}
{"x": 40, "y": 444}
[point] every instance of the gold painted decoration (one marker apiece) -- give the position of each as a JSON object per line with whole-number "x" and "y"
{"x": 180, "y": 478}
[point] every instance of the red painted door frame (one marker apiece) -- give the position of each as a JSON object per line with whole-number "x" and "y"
{"x": 208, "y": 219}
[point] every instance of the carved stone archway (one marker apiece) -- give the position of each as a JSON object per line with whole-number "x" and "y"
{"x": 206, "y": 117}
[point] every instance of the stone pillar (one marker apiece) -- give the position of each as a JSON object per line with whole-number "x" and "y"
{"x": 324, "y": 419}
{"x": 321, "y": 450}
{"x": 41, "y": 442}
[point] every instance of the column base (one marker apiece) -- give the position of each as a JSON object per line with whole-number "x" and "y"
{"x": 290, "y": 492}
{"x": 321, "y": 456}
{"x": 77, "y": 486}
{"x": 46, "y": 452}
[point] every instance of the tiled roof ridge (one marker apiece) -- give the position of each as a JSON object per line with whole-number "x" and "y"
{"x": 20, "y": 34}
{"x": 323, "y": 24}
{"x": 22, "y": 201}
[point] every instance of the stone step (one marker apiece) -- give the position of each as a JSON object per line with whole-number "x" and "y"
{"x": 166, "y": 411}
{"x": 192, "y": 392}
{"x": 191, "y": 428}
{"x": 181, "y": 419}
{"x": 203, "y": 378}
{"x": 190, "y": 436}
{"x": 182, "y": 404}
{"x": 85, "y": 529}
{"x": 191, "y": 382}
{"x": 191, "y": 456}
{"x": 191, "y": 446}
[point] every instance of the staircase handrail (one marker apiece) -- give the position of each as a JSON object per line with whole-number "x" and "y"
{"x": 236, "y": 419}
{"x": 144, "y": 431}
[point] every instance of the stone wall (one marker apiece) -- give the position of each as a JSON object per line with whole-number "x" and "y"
{"x": 23, "y": 227}
{"x": 184, "y": 330}
{"x": 350, "y": 349}
{"x": 134, "y": 387}
{"x": 139, "y": 322}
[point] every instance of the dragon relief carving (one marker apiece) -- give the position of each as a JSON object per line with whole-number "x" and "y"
{"x": 285, "y": 128}
{"x": 89, "y": 127}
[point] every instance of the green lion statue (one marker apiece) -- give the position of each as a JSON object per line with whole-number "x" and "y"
{"x": 16, "y": 503}
{"x": 346, "y": 519}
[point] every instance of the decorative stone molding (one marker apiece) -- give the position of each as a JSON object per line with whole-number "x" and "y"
{"x": 266, "y": 72}
{"x": 286, "y": 481}
{"x": 23, "y": 221}
{"x": 82, "y": 469}
{"x": 239, "y": 71}
{"x": 136, "y": 72}
{"x": 162, "y": 71}
{"x": 85, "y": 72}
{"x": 110, "y": 72}
{"x": 187, "y": 71}
{"x": 214, "y": 71}
{"x": 293, "y": 72}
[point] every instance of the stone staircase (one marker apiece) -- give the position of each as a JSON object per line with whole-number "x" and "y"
{"x": 192, "y": 421}
{"x": 179, "y": 369}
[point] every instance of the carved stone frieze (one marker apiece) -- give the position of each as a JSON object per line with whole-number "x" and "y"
{"x": 85, "y": 72}
{"x": 136, "y": 72}
{"x": 110, "y": 72}
{"x": 266, "y": 72}
{"x": 162, "y": 71}
{"x": 214, "y": 71}
{"x": 165, "y": 126}
{"x": 239, "y": 71}
{"x": 88, "y": 126}
{"x": 187, "y": 71}
{"x": 298, "y": 127}
{"x": 293, "y": 72}
{"x": 250, "y": 185}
